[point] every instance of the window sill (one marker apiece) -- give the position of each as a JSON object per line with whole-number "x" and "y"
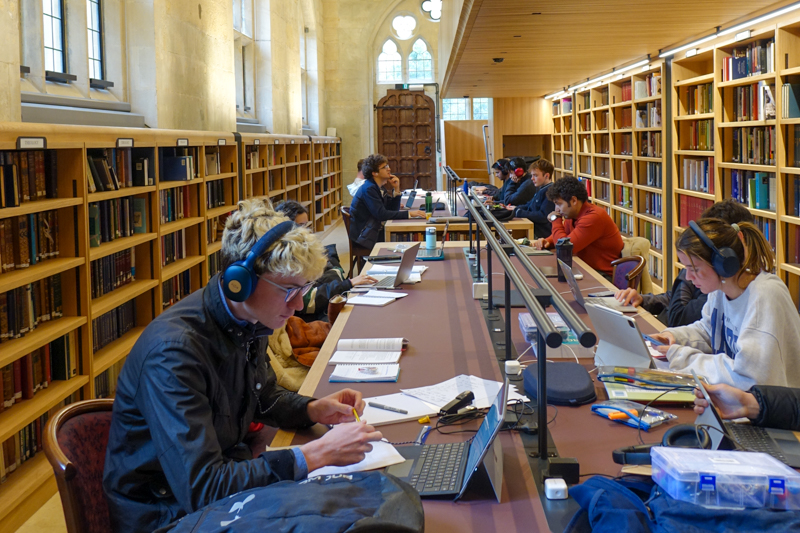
{"x": 59, "y": 77}
{"x": 100, "y": 84}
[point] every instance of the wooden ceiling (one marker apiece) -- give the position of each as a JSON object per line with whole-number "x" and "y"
{"x": 565, "y": 42}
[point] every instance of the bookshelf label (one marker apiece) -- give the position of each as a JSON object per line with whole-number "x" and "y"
{"x": 277, "y": 141}
{"x": 220, "y": 142}
{"x": 183, "y": 142}
{"x": 31, "y": 143}
{"x": 256, "y": 141}
{"x": 124, "y": 143}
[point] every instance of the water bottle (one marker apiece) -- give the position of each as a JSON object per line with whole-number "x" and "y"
{"x": 430, "y": 238}
{"x": 428, "y": 202}
{"x": 564, "y": 253}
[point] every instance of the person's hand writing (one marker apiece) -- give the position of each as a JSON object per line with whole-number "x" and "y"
{"x": 336, "y": 408}
{"x": 416, "y": 213}
{"x": 362, "y": 279}
{"x": 345, "y": 444}
{"x": 629, "y": 297}
{"x": 730, "y": 401}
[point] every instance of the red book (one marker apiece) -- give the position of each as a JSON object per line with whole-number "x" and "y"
{"x": 27, "y": 377}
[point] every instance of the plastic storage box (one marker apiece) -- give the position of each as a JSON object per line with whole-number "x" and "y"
{"x": 727, "y": 479}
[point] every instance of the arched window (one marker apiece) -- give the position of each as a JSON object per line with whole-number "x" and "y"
{"x": 404, "y": 26}
{"x": 420, "y": 64}
{"x": 433, "y": 8}
{"x": 390, "y": 64}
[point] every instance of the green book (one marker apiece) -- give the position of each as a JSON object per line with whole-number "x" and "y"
{"x": 94, "y": 226}
{"x": 751, "y": 200}
{"x": 139, "y": 215}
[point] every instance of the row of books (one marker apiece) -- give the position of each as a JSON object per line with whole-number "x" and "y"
{"x": 624, "y": 171}
{"x": 215, "y": 227}
{"x": 626, "y": 91}
{"x": 175, "y": 289}
{"x": 112, "y": 272}
{"x": 586, "y": 165}
{"x": 601, "y": 121}
{"x": 586, "y": 97}
{"x": 625, "y": 118}
{"x": 251, "y": 158}
{"x": 653, "y": 175}
{"x": 754, "y": 102}
{"x": 173, "y": 247}
{"x": 753, "y": 145}
{"x": 215, "y": 194}
{"x": 690, "y": 208}
{"x": 790, "y": 97}
{"x": 655, "y": 268}
{"x": 568, "y": 165}
{"x": 757, "y": 190}
{"x": 650, "y": 86}
{"x": 649, "y": 116}
{"x": 768, "y": 228}
{"x": 214, "y": 263}
{"x": 793, "y": 206}
{"x": 113, "y": 219}
{"x": 602, "y": 144}
{"x": 625, "y": 197}
{"x": 178, "y": 164}
{"x": 756, "y": 58}
{"x": 412, "y": 236}
{"x": 603, "y": 96}
{"x": 112, "y": 325}
{"x": 653, "y": 204}
{"x": 625, "y": 144}
{"x": 603, "y": 190}
{"x": 567, "y": 148}
{"x": 793, "y": 253}
{"x": 115, "y": 169}
{"x": 700, "y": 99}
{"x": 603, "y": 167}
{"x": 28, "y": 239}
{"x": 698, "y": 174}
{"x": 650, "y": 144}
{"x": 105, "y": 385}
{"x": 585, "y": 122}
{"x": 24, "y": 308}
{"x": 701, "y": 135}
{"x": 625, "y": 224}
{"x": 653, "y": 233}
{"x": 27, "y": 176}
{"x": 213, "y": 163}
{"x": 175, "y": 204}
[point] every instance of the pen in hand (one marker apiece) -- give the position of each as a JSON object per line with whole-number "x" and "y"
{"x": 387, "y": 408}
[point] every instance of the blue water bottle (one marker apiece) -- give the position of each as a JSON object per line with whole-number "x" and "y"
{"x": 430, "y": 238}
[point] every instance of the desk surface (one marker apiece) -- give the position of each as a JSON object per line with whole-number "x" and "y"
{"x": 448, "y": 336}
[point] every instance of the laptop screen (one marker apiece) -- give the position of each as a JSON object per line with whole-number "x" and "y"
{"x": 710, "y": 417}
{"x": 572, "y": 282}
{"x": 487, "y": 432}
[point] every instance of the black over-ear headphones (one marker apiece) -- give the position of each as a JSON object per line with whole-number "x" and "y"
{"x": 723, "y": 260}
{"x": 680, "y": 436}
{"x": 240, "y": 279}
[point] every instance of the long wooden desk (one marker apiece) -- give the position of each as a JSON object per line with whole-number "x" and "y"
{"x": 448, "y": 336}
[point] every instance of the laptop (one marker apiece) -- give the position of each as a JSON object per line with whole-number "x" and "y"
{"x": 403, "y": 271}
{"x": 437, "y": 254}
{"x": 620, "y": 341}
{"x": 444, "y": 470}
{"x": 605, "y": 301}
{"x": 412, "y": 195}
{"x": 781, "y": 444}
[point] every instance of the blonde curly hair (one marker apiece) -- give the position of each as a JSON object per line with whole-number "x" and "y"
{"x": 297, "y": 253}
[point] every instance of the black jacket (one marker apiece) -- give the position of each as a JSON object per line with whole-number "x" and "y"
{"x": 331, "y": 283}
{"x": 681, "y": 306}
{"x": 186, "y": 395}
{"x": 500, "y": 193}
{"x": 537, "y": 210}
{"x": 522, "y": 193}
{"x": 368, "y": 210}
{"x": 779, "y": 407}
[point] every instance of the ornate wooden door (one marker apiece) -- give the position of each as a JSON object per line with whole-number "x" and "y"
{"x": 407, "y": 136}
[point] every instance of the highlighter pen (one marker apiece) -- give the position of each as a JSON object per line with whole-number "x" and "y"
{"x": 355, "y": 414}
{"x": 387, "y": 408}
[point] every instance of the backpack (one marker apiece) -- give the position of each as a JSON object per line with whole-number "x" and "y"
{"x": 361, "y": 502}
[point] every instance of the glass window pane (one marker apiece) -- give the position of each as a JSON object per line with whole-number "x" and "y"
{"x": 57, "y": 8}
{"x": 48, "y": 59}
{"x": 47, "y": 7}
{"x": 57, "y": 39}
{"x": 48, "y": 32}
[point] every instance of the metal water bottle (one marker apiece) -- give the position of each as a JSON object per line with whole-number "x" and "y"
{"x": 430, "y": 238}
{"x": 563, "y": 253}
{"x": 428, "y": 202}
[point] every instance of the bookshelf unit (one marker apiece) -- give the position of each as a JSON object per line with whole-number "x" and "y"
{"x": 563, "y": 137}
{"x": 327, "y": 175}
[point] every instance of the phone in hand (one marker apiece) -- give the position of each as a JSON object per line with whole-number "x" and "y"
{"x": 652, "y": 340}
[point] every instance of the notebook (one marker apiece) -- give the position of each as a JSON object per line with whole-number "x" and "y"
{"x": 364, "y": 373}
{"x": 605, "y": 301}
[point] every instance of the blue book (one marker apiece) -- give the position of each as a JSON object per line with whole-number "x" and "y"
{"x": 735, "y": 185}
{"x": 176, "y": 168}
{"x": 791, "y": 96}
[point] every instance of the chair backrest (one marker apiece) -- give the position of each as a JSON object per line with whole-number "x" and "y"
{"x": 638, "y": 246}
{"x": 346, "y": 218}
{"x": 628, "y": 272}
{"x": 75, "y": 442}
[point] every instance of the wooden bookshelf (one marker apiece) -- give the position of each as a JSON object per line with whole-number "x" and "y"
{"x": 563, "y": 137}
{"x": 326, "y": 157}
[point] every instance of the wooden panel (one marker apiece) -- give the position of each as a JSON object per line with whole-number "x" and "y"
{"x": 518, "y": 116}
{"x": 527, "y": 145}
{"x": 464, "y": 141}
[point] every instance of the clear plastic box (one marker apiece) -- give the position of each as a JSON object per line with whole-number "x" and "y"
{"x": 529, "y": 330}
{"x": 727, "y": 479}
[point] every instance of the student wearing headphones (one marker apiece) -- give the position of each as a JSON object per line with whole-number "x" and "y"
{"x": 765, "y": 405}
{"x": 749, "y": 333}
{"x": 537, "y": 209}
{"x": 198, "y": 376}
{"x": 522, "y": 188}
{"x": 501, "y": 173}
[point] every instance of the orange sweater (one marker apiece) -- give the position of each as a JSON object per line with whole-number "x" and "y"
{"x": 595, "y": 238}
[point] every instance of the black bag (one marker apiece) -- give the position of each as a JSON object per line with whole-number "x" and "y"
{"x": 361, "y": 502}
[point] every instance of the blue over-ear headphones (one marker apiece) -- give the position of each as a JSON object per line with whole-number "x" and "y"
{"x": 724, "y": 261}
{"x": 240, "y": 279}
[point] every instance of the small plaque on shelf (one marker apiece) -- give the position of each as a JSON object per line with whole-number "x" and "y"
{"x": 31, "y": 143}
{"x": 256, "y": 141}
{"x": 124, "y": 143}
{"x": 220, "y": 142}
{"x": 277, "y": 141}
{"x": 183, "y": 142}
{"x": 292, "y": 141}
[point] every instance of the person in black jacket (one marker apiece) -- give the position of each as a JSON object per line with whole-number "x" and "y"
{"x": 765, "y": 405}
{"x": 537, "y": 209}
{"x": 500, "y": 172}
{"x": 683, "y": 304}
{"x": 524, "y": 189}
{"x": 371, "y": 207}
{"x": 332, "y": 281}
{"x": 198, "y": 376}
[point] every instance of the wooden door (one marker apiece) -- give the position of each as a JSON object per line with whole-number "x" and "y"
{"x": 407, "y": 136}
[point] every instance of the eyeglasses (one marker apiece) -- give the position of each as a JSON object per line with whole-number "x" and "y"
{"x": 292, "y": 293}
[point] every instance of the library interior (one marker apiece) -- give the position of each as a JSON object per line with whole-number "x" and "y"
{"x": 614, "y": 184}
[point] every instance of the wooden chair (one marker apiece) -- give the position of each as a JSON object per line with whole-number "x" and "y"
{"x": 628, "y": 272}
{"x": 75, "y": 442}
{"x": 357, "y": 252}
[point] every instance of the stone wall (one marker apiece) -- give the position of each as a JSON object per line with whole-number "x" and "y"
{"x": 10, "y": 109}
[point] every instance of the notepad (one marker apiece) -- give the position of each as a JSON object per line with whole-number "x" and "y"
{"x": 394, "y": 344}
{"x": 376, "y": 298}
{"x": 366, "y": 372}
{"x": 382, "y": 455}
{"x": 379, "y": 417}
{"x": 362, "y": 357}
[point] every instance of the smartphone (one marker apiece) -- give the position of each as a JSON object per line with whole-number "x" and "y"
{"x": 652, "y": 340}
{"x": 601, "y": 294}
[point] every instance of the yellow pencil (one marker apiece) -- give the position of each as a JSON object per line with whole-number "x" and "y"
{"x": 355, "y": 414}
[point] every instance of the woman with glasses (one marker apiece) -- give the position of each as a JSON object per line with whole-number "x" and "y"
{"x": 370, "y": 207}
{"x": 332, "y": 281}
{"x": 197, "y": 377}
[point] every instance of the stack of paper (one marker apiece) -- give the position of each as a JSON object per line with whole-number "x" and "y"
{"x": 389, "y": 270}
{"x": 376, "y": 298}
{"x": 358, "y": 373}
{"x": 485, "y": 391}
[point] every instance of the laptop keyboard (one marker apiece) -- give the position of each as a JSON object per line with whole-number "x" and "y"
{"x": 387, "y": 282}
{"x": 755, "y": 439}
{"x": 441, "y": 465}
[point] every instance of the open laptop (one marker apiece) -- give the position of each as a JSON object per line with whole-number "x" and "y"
{"x": 781, "y": 444}
{"x": 403, "y": 271}
{"x": 620, "y": 341}
{"x": 437, "y": 254}
{"x": 605, "y": 301}
{"x": 411, "y": 195}
{"x": 444, "y": 470}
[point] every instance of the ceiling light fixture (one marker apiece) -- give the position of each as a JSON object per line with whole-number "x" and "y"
{"x": 693, "y": 44}
{"x": 760, "y": 19}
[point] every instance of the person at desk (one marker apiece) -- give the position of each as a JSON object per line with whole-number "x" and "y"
{"x": 594, "y": 236}
{"x": 369, "y": 210}
{"x": 522, "y": 189}
{"x": 683, "y": 304}
{"x": 749, "y": 333}
{"x": 540, "y": 205}
{"x": 501, "y": 173}
{"x": 765, "y": 405}
{"x": 359, "y": 181}
{"x": 198, "y": 376}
